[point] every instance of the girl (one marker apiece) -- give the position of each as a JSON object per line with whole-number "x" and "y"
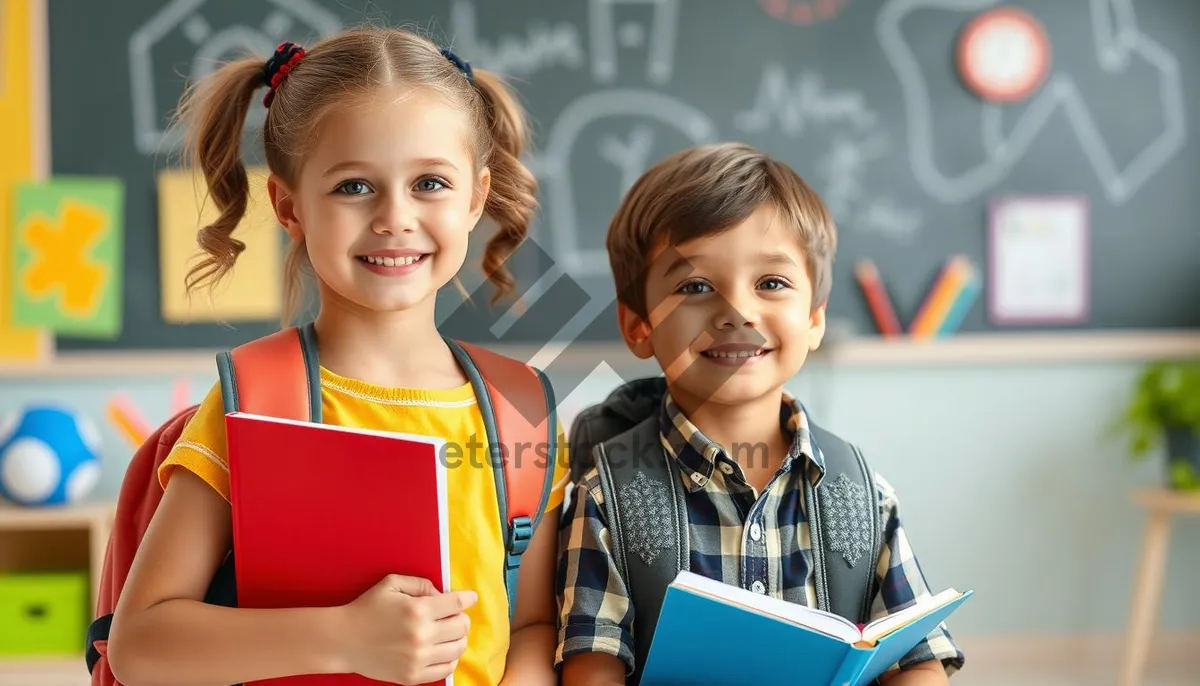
{"x": 384, "y": 153}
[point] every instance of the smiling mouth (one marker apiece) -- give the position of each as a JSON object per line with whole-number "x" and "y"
{"x": 734, "y": 352}
{"x": 402, "y": 261}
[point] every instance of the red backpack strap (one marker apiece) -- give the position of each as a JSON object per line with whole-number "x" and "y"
{"x": 277, "y": 376}
{"x": 137, "y": 501}
{"x": 519, "y": 413}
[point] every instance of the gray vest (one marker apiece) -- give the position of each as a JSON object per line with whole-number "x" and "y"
{"x": 843, "y": 519}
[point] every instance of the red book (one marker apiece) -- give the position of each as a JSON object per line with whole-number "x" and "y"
{"x": 322, "y": 513}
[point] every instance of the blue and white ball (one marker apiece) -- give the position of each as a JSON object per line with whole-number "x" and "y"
{"x": 48, "y": 456}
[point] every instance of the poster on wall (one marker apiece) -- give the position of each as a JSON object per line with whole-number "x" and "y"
{"x": 1039, "y": 267}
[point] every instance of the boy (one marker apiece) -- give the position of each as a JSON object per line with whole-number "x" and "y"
{"x": 727, "y": 255}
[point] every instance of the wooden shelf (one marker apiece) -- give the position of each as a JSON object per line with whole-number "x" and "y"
{"x": 972, "y": 348}
{"x": 51, "y": 671}
{"x": 83, "y": 516}
{"x": 1016, "y": 348}
{"x": 56, "y": 538}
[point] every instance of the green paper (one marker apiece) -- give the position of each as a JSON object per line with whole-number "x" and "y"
{"x": 68, "y": 245}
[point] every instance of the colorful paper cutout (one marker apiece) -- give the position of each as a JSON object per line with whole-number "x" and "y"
{"x": 253, "y": 289}
{"x": 69, "y": 243}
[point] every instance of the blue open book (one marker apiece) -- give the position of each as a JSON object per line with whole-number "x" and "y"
{"x": 713, "y": 633}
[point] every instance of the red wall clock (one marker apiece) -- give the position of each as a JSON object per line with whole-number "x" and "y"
{"x": 1004, "y": 55}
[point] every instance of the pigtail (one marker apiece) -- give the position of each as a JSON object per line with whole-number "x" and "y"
{"x": 214, "y": 111}
{"x": 513, "y": 196}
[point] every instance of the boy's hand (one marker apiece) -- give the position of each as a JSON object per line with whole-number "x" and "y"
{"x": 930, "y": 673}
{"x": 402, "y": 630}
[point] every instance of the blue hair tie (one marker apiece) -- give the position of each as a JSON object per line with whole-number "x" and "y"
{"x": 463, "y": 65}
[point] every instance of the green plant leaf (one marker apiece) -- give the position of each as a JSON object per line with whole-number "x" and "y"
{"x": 1165, "y": 394}
{"x": 1184, "y": 477}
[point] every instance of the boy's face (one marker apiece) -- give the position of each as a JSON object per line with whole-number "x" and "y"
{"x": 730, "y": 315}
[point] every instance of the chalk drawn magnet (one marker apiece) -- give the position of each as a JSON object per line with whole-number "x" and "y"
{"x": 1004, "y": 55}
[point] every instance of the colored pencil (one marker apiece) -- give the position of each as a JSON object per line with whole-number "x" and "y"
{"x": 962, "y": 305}
{"x": 941, "y": 298}
{"x": 180, "y": 396}
{"x": 126, "y": 418}
{"x": 877, "y": 299}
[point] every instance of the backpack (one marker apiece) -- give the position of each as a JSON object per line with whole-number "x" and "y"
{"x": 621, "y": 438}
{"x": 278, "y": 375}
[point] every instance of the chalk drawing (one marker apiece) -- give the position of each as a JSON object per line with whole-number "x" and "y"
{"x": 843, "y": 171}
{"x": 803, "y": 12}
{"x": 543, "y": 47}
{"x": 605, "y": 38}
{"x": 800, "y": 102}
{"x": 553, "y": 165}
{"x": 212, "y": 45}
{"x": 1116, "y": 39}
{"x": 632, "y": 157}
{"x": 887, "y": 217}
{"x": 844, "y": 166}
{"x": 631, "y": 35}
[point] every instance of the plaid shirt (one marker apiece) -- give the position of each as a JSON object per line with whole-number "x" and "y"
{"x": 764, "y": 543}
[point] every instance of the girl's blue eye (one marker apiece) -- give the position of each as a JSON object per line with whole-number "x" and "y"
{"x": 429, "y": 185}
{"x": 780, "y": 284}
{"x": 353, "y": 188}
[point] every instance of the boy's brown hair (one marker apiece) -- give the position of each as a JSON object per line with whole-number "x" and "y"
{"x": 702, "y": 191}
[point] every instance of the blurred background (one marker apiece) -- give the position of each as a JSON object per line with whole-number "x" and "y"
{"x": 1013, "y": 320}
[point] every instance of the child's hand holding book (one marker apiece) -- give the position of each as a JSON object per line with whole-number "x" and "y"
{"x": 835, "y": 651}
{"x": 403, "y": 630}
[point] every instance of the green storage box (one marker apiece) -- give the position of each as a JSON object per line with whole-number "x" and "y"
{"x": 43, "y": 613}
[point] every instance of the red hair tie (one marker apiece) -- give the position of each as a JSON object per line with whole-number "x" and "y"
{"x": 285, "y": 59}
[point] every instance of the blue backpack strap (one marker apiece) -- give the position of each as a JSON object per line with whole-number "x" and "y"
{"x": 277, "y": 375}
{"x": 519, "y": 415}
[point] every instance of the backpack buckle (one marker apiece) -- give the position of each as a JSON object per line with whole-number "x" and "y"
{"x": 520, "y": 533}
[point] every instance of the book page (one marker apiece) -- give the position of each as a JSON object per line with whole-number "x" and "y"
{"x": 886, "y": 625}
{"x": 800, "y": 615}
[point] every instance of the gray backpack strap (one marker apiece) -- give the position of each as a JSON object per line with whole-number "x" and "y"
{"x": 844, "y": 528}
{"x": 647, "y": 521}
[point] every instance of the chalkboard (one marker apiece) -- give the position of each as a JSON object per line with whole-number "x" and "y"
{"x": 862, "y": 97}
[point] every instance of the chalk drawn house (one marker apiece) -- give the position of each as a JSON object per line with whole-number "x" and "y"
{"x": 213, "y": 39}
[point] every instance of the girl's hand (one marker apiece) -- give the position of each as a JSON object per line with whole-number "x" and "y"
{"x": 404, "y": 631}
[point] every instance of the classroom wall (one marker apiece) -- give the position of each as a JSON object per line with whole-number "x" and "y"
{"x": 1006, "y": 480}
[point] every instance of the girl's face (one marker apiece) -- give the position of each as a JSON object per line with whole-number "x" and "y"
{"x": 386, "y": 200}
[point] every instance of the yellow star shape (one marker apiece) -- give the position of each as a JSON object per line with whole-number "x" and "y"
{"x": 62, "y": 260}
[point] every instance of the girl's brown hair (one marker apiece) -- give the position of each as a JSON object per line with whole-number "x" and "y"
{"x": 333, "y": 72}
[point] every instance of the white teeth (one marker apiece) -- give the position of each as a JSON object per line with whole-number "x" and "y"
{"x": 743, "y": 353}
{"x": 392, "y": 261}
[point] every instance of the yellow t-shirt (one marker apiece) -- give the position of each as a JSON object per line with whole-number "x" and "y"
{"x": 476, "y": 539}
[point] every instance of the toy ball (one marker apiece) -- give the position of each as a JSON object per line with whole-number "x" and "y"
{"x": 48, "y": 456}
